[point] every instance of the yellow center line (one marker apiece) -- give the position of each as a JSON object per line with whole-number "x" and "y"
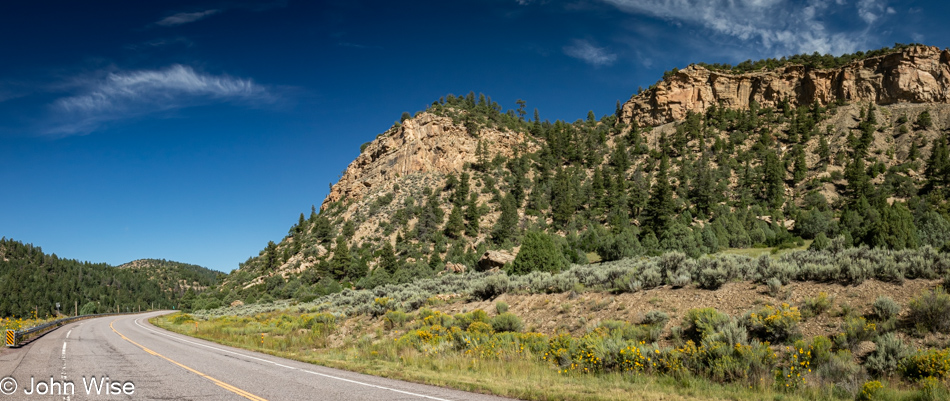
{"x": 220, "y": 383}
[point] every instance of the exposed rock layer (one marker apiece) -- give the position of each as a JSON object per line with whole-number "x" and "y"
{"x": 424, "y": 144}
{"x": 919, "y": 74}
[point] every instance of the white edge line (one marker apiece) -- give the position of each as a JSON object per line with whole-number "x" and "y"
{"x": 288, "y": 367}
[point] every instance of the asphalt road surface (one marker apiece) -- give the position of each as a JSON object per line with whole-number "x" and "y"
{"x": 132, "y": 360}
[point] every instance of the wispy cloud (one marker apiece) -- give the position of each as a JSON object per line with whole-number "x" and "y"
{"x": 184, "y": 18}
{"x": 871, "y": 10}
{"x": 593, "y": 55}
{"x": 129, "y": 94}
{"x": 780, "y": 26}
{"x": 161, "y": 42}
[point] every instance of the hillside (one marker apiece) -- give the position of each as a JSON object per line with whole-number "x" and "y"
{"x": 31, "y": 279}
{"x": 703, "y": 161}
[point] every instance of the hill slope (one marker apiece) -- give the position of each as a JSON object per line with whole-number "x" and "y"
{"x": 30, "y": 278}
{"x": 702, "y": 161}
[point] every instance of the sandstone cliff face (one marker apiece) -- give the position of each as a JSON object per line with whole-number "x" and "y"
{"x": 424, "y": 144}
{"x": 919, "y": 74}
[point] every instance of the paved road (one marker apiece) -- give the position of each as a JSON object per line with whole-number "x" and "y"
{"x": 160, "y": 365}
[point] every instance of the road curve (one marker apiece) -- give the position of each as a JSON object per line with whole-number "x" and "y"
{"x": 143, "y": 362}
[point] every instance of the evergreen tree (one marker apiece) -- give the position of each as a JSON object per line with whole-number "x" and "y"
{"x": 703, "y": 191}
{"x": 322, "y": 228}
{"x": 562, "y": 198}
{"x": 472, "y": 216}
{"x": 800, "y": 168}
{"x": 430, "y": 219}
{"x": 340, "y": 264}
{"x": 859, "y": 185}
{"x": 773, "y": 180}
{"x": 507, "y": 224}
{"x": 387, "y": 259}
{"x": 938, "y": 166}
{"x": 660, "y": 206}
{"x": 538, "y": 253}
{"x": 455, "y": 225}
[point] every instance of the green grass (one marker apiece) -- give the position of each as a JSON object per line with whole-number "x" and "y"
{"x": 492, "y": 369}
{"x": 756, "y": 252}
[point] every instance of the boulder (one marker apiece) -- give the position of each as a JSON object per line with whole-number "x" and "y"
{"x": 455, "y": 267}
{"x": 492, "y": 259}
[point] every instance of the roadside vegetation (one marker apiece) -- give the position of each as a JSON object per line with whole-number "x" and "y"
{"x": 890, "y": 351}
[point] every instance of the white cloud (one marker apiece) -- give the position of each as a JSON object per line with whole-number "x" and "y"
{"x": 593, "y": 55}
{"x": 122, "y": 95}
{"x": 184, "y": 18}
{"x": 871, "y": 10}
{"x": 781, "y": 26}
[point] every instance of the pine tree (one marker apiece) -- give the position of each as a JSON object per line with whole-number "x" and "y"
{"x": 507, "y": 224}
{"x": 387, "y": 258}
{"x": 562, "y": 198}
{"x": 472, "y": 216}
{"x": 660, "y": 207}
{"x": 538, "y": 253}
{"x": 938, "y": 166}
{"x": 824, "y": 151}
{"x": 455, "y": 225}
{"x": 800, "y": 168}
{"x": 340, "y": 264}
{"x": 703, "y": 189}
{"x": 773, "y": 179}
{"x": 859, "y": 185}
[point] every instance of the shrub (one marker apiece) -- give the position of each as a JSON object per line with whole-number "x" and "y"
{"x": 732, "y": 333}
{"x": 507, "y": 322}
{"x": 775, "y": 324}
{"x": 931, "y": 389}
{"x": 655, "y": 318}
{"x": 841, "y": 372}
{"x": 182, "y": 318}
{"x": 855, "y": 330}
{"x": 501, "y": 307}
{"x": 651, "y": 278}
{"x": 490, "y": 287}
{"x": 712, "y": 279}
{"x": 885, "y": 308}
{"x": 394, "y": 319}
{"x": 924, "y": 120}
{"x": 820, "y": 243}
{"x": 479, "y": 328}
{"x": 775, "y": 286}
{"x": 886, "y": 359}
{"x": 817, "y": 305}
{"x": 465, "y": 320}
{"x": 870, "y": 391}
{"x": 702, "y": 322}
{"x": 928, "y": 363}
{"x": 931, "y": 310}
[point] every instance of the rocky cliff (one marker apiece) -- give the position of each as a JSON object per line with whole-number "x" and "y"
{"x": 918, "y": 74}
{"x": 424, "y": 144}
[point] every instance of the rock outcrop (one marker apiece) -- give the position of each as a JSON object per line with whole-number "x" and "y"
{"x": 424, "y": 144}
{"x": 495, "y": 259}
{"x": 918, "y": 74}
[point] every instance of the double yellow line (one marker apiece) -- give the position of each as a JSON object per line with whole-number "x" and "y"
{"x": 220, "y": 383}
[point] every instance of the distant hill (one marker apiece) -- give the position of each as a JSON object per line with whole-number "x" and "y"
{"x": 173, "y": 276}
{"x": 30, "y": 278}
{"x": 704, "y": 160}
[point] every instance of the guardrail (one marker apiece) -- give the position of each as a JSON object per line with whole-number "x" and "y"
{"x": 15, "y": 337}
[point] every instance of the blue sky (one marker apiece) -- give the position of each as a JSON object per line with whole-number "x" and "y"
{"x": 197, "y": 131}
